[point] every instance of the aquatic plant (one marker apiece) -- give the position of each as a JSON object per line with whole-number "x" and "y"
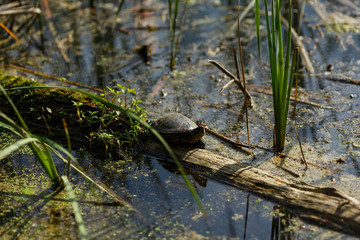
{"x": 172, "y": 23}
{"x": 175, "y": 38}
{"x": 40, "y": 146}
{"x": 281, "y": 72}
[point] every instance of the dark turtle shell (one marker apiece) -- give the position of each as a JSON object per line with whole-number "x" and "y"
{"x": 176, "y": 127}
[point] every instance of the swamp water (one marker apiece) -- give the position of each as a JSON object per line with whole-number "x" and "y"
{"x": 82, "y": 44}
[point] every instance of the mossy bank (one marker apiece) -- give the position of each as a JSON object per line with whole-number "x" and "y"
{"x": 91, "y": 125}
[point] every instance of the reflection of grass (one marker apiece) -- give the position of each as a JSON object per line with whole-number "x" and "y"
{"x": 281, "y": 72}
{"x": 77, "y": 212}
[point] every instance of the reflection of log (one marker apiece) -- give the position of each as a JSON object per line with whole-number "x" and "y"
{"x": 325, "y": 206}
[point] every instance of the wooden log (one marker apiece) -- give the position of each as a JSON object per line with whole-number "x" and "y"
{"x": 318, "y": 205}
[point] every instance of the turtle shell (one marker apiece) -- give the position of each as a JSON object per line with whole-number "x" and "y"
{"x": 176, "y": 127}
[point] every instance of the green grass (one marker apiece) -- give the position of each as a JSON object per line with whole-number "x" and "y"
{"x": 174, "y": 23}
{"x": 38, "y": 145}
{"x": 281, "y": 71}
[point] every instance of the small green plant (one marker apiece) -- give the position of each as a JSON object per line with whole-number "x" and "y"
{"x": 129, "y": 134}
{"x": 281, "y": 72}
{"x": 78, "y": 111}
{"x": 119, "y": 94}
{"x": 106, "y": 137}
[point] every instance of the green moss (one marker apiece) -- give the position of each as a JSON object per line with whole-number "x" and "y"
{"x": 90, "y": 123}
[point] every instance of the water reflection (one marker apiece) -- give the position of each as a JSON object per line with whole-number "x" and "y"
{"x": 281, "y": 225}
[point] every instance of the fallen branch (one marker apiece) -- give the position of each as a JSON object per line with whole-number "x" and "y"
{"x": 319, "y": 205}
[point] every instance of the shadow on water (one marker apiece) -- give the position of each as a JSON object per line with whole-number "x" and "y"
{"x": 103, "y": 50}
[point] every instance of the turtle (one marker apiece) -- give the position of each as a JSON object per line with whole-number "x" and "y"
{"x": 177, "y": 128}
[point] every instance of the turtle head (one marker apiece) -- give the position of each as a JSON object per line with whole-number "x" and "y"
{"x": 196, "y": 134}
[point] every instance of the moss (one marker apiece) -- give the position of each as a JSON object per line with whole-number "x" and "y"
{"x": 90, "y": 124}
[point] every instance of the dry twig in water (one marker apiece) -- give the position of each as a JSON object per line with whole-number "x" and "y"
{"x": 233, "y": 77}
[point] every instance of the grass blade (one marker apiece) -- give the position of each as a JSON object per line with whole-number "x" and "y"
{"x": 257, "y": 24}
{"x": 45, "y": 159}
{"x": 287, "y": 60}
{"x": 15, "y": 109}
{"x": 9, "y": 124}
{"x": 77, "y": 212}
{"x": 67, "y": 168}
{"x": 44, "y": 162}
{"x": 98, "y": 184}
{"x": 281, "y": 82}
{"x": 15, "y": 146}
{"x": 172, "y": 21}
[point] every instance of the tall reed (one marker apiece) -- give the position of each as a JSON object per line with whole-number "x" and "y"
{"x": 281, "y": 72}
{"x": 172, "y": 22}
{"x": 175, "y": 24}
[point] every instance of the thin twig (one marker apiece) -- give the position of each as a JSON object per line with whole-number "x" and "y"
{"x": 227, "y": 85}
{"x": 343, "y": 80}
{"x": 67, "y": 168}
{"x": 300, "y": 101}
{"x": 236, "y": 144}
{"x": 296, "y": 54}
{"x": 301, "y": 14}
{"x": 246, "y": 111}
{"x": 111, "y": 26}
{"x": 158, "y": 87}
{"x": 243, "y": 77}
{"x": 232, "y": 76}
{"x": 286, "y": 169}
{"x": 19, "y": 11}
{"x": 9, "y": 32}
{"x": 52, "y": 77}
{"x": 182, "y": 21}
{"x": 247, "y": 214}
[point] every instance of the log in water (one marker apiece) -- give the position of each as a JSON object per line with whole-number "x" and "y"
{"x": 319, "y": 205}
